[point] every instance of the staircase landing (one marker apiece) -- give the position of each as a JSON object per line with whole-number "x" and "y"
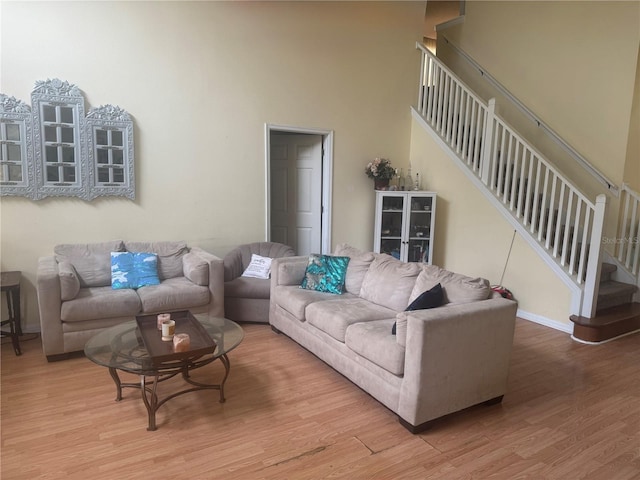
{"x": 608, "y": 323}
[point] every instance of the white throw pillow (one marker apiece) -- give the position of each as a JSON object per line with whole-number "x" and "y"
{"x": 260, "y": 267}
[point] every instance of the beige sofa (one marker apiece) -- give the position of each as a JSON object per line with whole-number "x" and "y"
{"x": 440, "y": 361}
{"x": 246, "y": 299}
{"x": 76, "y": 299}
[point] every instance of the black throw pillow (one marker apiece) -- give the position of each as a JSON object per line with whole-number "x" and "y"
{"x": 429, "y": 299}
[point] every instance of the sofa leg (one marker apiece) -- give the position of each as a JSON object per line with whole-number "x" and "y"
{"x": 415, "y": 428}
{"x": 276, "y": 330}
{"x": 64, "y": 356}
{"x": 426, "y": 425}
{"x": 494, "y": 401}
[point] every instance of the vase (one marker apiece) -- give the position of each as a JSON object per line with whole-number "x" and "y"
{"x": 381, "y": 183}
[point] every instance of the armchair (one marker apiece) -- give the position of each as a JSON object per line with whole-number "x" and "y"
{"x": 247, "y": 298}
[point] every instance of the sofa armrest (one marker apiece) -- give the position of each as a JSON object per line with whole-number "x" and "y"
{"x": 195, "y": 268}
{"x": 233, "y": 266}
{"x": 49, "y": 305}
{"x": 216, "y": 280}
{"x": 456, "y": 356}
{"x": 288, "y": 270}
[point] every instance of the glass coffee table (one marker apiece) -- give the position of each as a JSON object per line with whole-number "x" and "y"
{"x": 122, "y": 348}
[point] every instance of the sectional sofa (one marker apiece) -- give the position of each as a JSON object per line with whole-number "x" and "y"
{"x": 439, "y": 361}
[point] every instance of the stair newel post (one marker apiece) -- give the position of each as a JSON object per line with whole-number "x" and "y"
{"x": 487, "y": 140}
{"x": 594, "y": 265}
{"x": 422, "y": 104}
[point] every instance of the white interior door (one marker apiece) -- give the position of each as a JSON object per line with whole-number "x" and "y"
{"x": 296, "y": 191}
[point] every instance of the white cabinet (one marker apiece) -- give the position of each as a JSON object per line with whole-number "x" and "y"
{"x": 405, "y": 225}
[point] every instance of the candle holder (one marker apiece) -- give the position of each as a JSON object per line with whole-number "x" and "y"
{"x": 168, "y": 330}
{"x": 181, "y": 342}
{"x": 163, "y": 317}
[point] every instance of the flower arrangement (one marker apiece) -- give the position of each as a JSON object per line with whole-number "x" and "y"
{"x": 380, "y": 169}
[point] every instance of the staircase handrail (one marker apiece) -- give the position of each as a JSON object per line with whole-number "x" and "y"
{"x": 579, "y": 158}
{"x": 563, "y": 225}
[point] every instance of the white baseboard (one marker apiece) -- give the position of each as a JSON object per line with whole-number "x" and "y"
{"x": 547, "y": 322}
{"x": 604, "y": 341}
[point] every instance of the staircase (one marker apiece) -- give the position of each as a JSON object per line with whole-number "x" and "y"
{"x": 559, "y": 222}
{"x": 616, "y": 313}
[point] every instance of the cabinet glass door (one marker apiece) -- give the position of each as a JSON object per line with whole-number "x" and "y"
{"x": 419, "y": 225}
{"x": 391, "y": 225}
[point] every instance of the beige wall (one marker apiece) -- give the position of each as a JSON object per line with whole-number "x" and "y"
{"x": 574, "y": 65}
{"x": 473, "y": 238}
{"x": 201, "y": 79}
{"x": 632, "y": 167}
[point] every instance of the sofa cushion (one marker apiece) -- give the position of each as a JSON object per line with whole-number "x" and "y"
{"x": 325, "y": 273}
{"x": 176, "y": 293}
{"x": 91, "y": 261}
{"x": 133, "y": 270}
{"x": 195, "y": 269}
{"x": 457, "y": 288}
{"x": 334, "y": 316}
{"x": 100, "y": 302}
{"x": 170, "y": 256}
{"x": 373, "y": 341}
{"x": 69, "y": 282}
{"x": 359, "y": 264}
{"x": 294, "y": 300}
{"x": 460, "y": 289}
{"x": 429, "y": 277}
{"x": 247, "y": 287}
{"x": 389, "y": 282}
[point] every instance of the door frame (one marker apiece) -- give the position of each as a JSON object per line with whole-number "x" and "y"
{"x": 327, "y": 178}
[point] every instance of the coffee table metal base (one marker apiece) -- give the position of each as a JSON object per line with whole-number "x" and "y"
{"x": 149, "y": 389}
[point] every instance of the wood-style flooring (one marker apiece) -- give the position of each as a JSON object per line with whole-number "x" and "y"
{"x": 572, "y": 411}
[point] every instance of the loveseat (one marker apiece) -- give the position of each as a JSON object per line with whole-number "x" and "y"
{"x": 439, "y": 361}
{"x": 76, "y": 298}
{"x": 246, "y": 298}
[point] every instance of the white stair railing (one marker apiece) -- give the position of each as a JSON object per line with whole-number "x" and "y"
{"x": 553, "y": 212}
{"x": 628, "y": 241}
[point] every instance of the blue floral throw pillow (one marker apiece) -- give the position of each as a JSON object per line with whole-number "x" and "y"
{"x": 133, "y": 270}
{"x": 325, "y": 273}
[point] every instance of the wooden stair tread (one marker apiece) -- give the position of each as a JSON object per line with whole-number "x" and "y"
{"x": 609, "y": 315}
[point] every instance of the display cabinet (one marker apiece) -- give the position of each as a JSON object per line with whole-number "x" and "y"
{"x": 404, "y": 225}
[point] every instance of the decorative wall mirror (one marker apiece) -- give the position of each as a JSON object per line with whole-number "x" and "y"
{"x": 53, "y": 149}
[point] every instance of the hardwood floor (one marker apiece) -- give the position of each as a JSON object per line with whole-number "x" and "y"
{"x": 572, "y": 411}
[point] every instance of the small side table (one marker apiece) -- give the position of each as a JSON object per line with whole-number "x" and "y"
{"x": 10, "y": 283}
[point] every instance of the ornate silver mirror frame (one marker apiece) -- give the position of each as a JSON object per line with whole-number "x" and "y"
{"x": 110, "y": 132}
{"x": 59, "y": 137}
{"x": 16, "y": 157}
{"x": 52, "y": 149}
